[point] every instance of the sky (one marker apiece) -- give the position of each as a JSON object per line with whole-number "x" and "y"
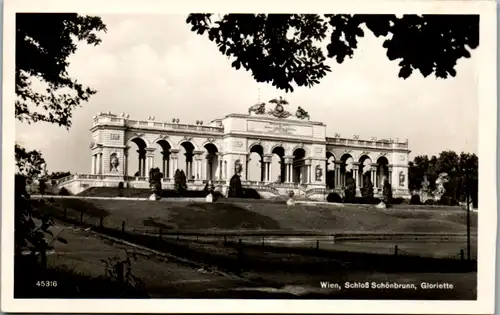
{"x": 154, "y": 65}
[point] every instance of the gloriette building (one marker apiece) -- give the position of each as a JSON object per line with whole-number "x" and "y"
{"x": 290, "y": 152}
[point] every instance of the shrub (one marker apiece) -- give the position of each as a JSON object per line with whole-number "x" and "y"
{"x": 350, "y": 190}
{"x": 447, "y": 201}
{"x": 398, "y": 201}
{"x": 334, "y": 197}
{"x": 367, "y": 190}
{"x": 429, "y": 202}
{"x": 64, "y": 192}
{"x": 235, "y": 188}
{"x": 120, "y": 185}
{"x": 415, "y": 200}
{"x": 180, "y": 182}
{"x": 155, "y": 177}
{"x": 42, "y": 186}
{"x": 387, "y": 193}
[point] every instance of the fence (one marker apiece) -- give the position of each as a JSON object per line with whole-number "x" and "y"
{"x": 307, "y": 241}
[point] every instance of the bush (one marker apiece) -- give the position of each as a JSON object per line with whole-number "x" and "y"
{"x": 447, "y": 201}
{"x": 120, "y": 185}
{"x": 429, "y": 202}
{"x": 350, "y": 190}
{"x": 42, "y": 186}
{"x": 398, "y": 201}
{"x": 64, "y": 192}
{"x": 180, "y": 182}
{"x": 334, "y": 197}
{"x": 367, "y": 190}
{"x": 415, "y": 200}
{"x": 387, "y": 193}
{"x": 235, "y": 188}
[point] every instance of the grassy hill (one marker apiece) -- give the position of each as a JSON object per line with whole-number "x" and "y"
{"x": 260, "y": 215}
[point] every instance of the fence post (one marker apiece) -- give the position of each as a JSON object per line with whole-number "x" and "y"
{"x": 65, "y": 212}
{"x": 461, "y": 254}
{"x": 225, "y": 240}
{"x": 177, "y": 235}
{"x": 81, "y": 217}
{"x": 123, "y": 227}
{"x": 160, "y": 232}
{"x": 317, "y": 245}
{"x": 100, "y": 222}
{"x": 262, "y": 241}
{"x": 395, "y": 250}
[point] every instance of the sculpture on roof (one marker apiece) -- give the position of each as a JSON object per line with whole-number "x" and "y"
{"x": 279, "y": 110}
{"x": 258, "y": 109}
{"x": 302, "y": 114}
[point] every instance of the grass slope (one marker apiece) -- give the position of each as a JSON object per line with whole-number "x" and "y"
{"x": 261, "y": 216}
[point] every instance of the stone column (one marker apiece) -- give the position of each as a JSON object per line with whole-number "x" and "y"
{"x": 355, "y": 175}
{"x": 93, "y": 164}
{"x": 99, "y": 163}
{"x": 125, "y": 164}
{"x": 221, "y": 177}
{"x": 389, "y": 176}
{"x": 374, "y": 177}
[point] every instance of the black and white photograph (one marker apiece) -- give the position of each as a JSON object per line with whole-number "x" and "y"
{"x": 267, "y": 157}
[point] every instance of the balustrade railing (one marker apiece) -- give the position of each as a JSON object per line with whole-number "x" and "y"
{"x": 367, "y": 143}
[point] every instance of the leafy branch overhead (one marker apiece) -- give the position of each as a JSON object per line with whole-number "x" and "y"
{"x": 285, "y": 49}
{"x": 44, "y": 41}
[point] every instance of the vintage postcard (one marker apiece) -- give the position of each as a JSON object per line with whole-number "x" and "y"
{"x": 269, "y": 156}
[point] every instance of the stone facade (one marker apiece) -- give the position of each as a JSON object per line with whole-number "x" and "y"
{"x": 309, "y": 161}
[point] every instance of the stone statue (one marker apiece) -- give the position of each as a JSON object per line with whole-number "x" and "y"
{"x": 279, "y": 111}
{"x": 302, "y": 114}
{"x": 440, "y": 190}
{"x": 401, "y": 179}
{"x": 319, "y": 173}
{"x": 114, "y": 163}
{"x": 238, "y": 168}
{"x": 258, "y": 109}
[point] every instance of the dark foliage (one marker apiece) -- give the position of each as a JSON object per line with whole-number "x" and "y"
{"x": 30, "y": 164}
{"x": 42, "y": 186}
{"x": 235, "y": 188}
{"x": 350, "y": 190}
{"x": 462, "y": 171}
{"x": 447, "y": 201}
{"x": 58, "y": 175}
{"x": 415, "y": 200}
{"x": 367, "y": 189}
{"x": 64, "y": 192}
{"x": 180, "y": 182}
{"x": 284, "y": 49}
{"x": 155, "y": 179}
{"x": 334, "y": 197}
{"x": 430, "y": 202}
{"x": 120, "y": 185}
{"x": 387, "y": 193}
{"x": 42, "y": 54}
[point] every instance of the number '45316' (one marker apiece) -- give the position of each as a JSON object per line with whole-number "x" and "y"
{"x": 46, "y": 284}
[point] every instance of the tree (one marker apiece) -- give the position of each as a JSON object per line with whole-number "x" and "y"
{"x": 44, "y": 41}
{"x": 284, "y": 49}
{"x": 42, "y": 54}
{"x": 155, "y": 178}
{"x": 180, "y": 182}
{"x": 350, "y": 190}
{"x": 367, "y": 190}
{"x": 42, "y": 186}
{"x": 58, "y": 175}
{"x": 29, "y": 164}
{"x": 387, "y": 193}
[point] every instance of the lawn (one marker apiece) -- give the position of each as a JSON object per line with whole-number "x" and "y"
{"x": 240, "y": 215}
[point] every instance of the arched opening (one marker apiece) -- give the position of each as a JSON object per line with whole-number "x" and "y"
{"x": 162, "y": 158}
{"x": 186, "y": 154}
{"x": 212, "y": 168}
{"x": 255, "y": 164}
{"x": 382, "y": 171}
{"x": 278, "y": 165}
{"x": 300, "y": 174}
{"x": 330, "y": 170}
{"x": 346, "y": 168}
{"x": 138, "y": 169}
{"x": 364, "y": 170}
